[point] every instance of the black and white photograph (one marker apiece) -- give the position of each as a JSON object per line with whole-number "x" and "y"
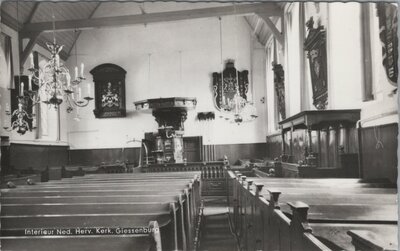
{"x": 205, "y": 125}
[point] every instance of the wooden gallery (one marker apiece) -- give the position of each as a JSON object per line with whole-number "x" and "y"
{"x": 198, "y": 125}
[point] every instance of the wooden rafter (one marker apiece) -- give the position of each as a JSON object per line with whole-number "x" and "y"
{"x": 277, "y": 34}
{"x": 28, "y": 48}
{"x": 254, "y": 30}
{"x": 32, "y": 13}
{"x": 9, "y": 20}
{"x": 267, "y": 9}
{"x": 24, "y": 53}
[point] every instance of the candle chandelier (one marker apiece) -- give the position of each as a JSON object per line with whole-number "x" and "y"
{"x": 54, "y": 81}
{"x": 236, "y": 109}
{"x": 54, "y": 85}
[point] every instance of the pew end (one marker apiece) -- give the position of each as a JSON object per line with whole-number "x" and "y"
{"x": 368, "y": 240}
{"x": 274, "y": 197}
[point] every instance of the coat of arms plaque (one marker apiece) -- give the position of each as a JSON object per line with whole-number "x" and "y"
{"x": 109, "y": 82}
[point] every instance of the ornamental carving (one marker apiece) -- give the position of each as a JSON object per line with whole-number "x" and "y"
{"x": 109, "y": 80}
{"x": 226, "y": 87}
{"x": 315, "y": 45}
{"x": 387, "y": 13}
{"x": 279, "y": 83}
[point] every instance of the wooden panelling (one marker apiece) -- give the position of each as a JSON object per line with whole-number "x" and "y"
{"x": 131, "y": 155}
{"x": 274, "y": 146}
{"x": 298, "y": 145}
{"x": 379, "y": 160}
{"x": 240, "y": 151}
{"x": 37, "y": 157}
{"x": 208, "y": 153}
{"x": 192, "y": 148}
{"x": 107, "y": 156}
{"x": 353, "y": 140}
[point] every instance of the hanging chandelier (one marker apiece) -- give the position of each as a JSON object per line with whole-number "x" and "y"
{"x": 236, "y": 108}
{"x": 54, "y": 85}
{"x": 20, "y": 119}
{"x": 54, "y": 81}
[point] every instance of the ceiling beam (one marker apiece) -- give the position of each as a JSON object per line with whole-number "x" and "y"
{"x": 28, "y": 48}
{"x": 277, "y": 34}
{"x": 32, "y": 13}
{"x": 267, "y": 9}
{"x": 254, "y": 30}
{"x": 9, "y": 20}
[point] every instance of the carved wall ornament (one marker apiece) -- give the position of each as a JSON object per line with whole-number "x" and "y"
{"x": 279, "y": 82}
{"x": 315, "y": 45}
{"x": 205, "y": 116}
{"x": 109, "y": 82}
{"x": 387, "y": 14}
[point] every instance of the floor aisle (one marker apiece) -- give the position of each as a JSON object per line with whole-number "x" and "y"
{"x": 216, "y": 232}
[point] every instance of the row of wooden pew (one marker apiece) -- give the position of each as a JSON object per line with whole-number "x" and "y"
{"x": 312, "y": 214}
{"x": 158, "y": 211}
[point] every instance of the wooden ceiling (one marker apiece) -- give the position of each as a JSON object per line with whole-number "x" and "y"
{"x": 34, "y": 20}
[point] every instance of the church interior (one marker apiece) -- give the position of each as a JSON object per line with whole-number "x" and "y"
{"x": 204, "y": 125}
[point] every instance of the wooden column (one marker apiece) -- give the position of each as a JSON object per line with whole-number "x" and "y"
{"x": 324, "y": 137}
{"x": 332, "y": 147}
{"x": 291, "y": 143}
{"x": 309, "y": 140}
{"x": 343, "y": 144}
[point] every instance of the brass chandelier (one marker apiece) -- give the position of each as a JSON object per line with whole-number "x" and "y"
{"x": 54, "y": 85}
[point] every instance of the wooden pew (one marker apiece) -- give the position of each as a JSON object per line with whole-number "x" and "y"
{"x": 365, "y": 237}
{"x": 333, "y": 219}
{"x": 185, "y": 199}
{"x": 88, "y": 199}
{"x": 76, "y": 242}
{"x": 68, "y": 243}
{"x": 119, "y": 185}
{"x": 248, "y": 211}
{"x": 77, "y": 208}
{"x": 103, "y": 192}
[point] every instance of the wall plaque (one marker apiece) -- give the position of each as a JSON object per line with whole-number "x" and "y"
{"x": 22, "y": 120}
{"x": 109, "y": 80}
{"x": 387, "y": 13}
{"x": 315, "y": 45}
{"x": 279, "y": 81}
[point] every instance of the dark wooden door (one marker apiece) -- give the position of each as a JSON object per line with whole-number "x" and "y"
{"x": 192, "y": 148}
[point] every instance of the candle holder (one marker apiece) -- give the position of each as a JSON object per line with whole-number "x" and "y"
{"x": 54, "y": 80}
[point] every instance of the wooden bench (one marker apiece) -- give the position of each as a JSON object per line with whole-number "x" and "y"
{"x": 257, "y": 213}
{"x": 88, "y": 199}
{"x": 118, "y": 185}
{"x": 77, "y": 208}
{"x": 79, "y": 243}
{"x": 365, "y": 237}
{"x": 212, "y": 174}
{"x": 103, "y": 202}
